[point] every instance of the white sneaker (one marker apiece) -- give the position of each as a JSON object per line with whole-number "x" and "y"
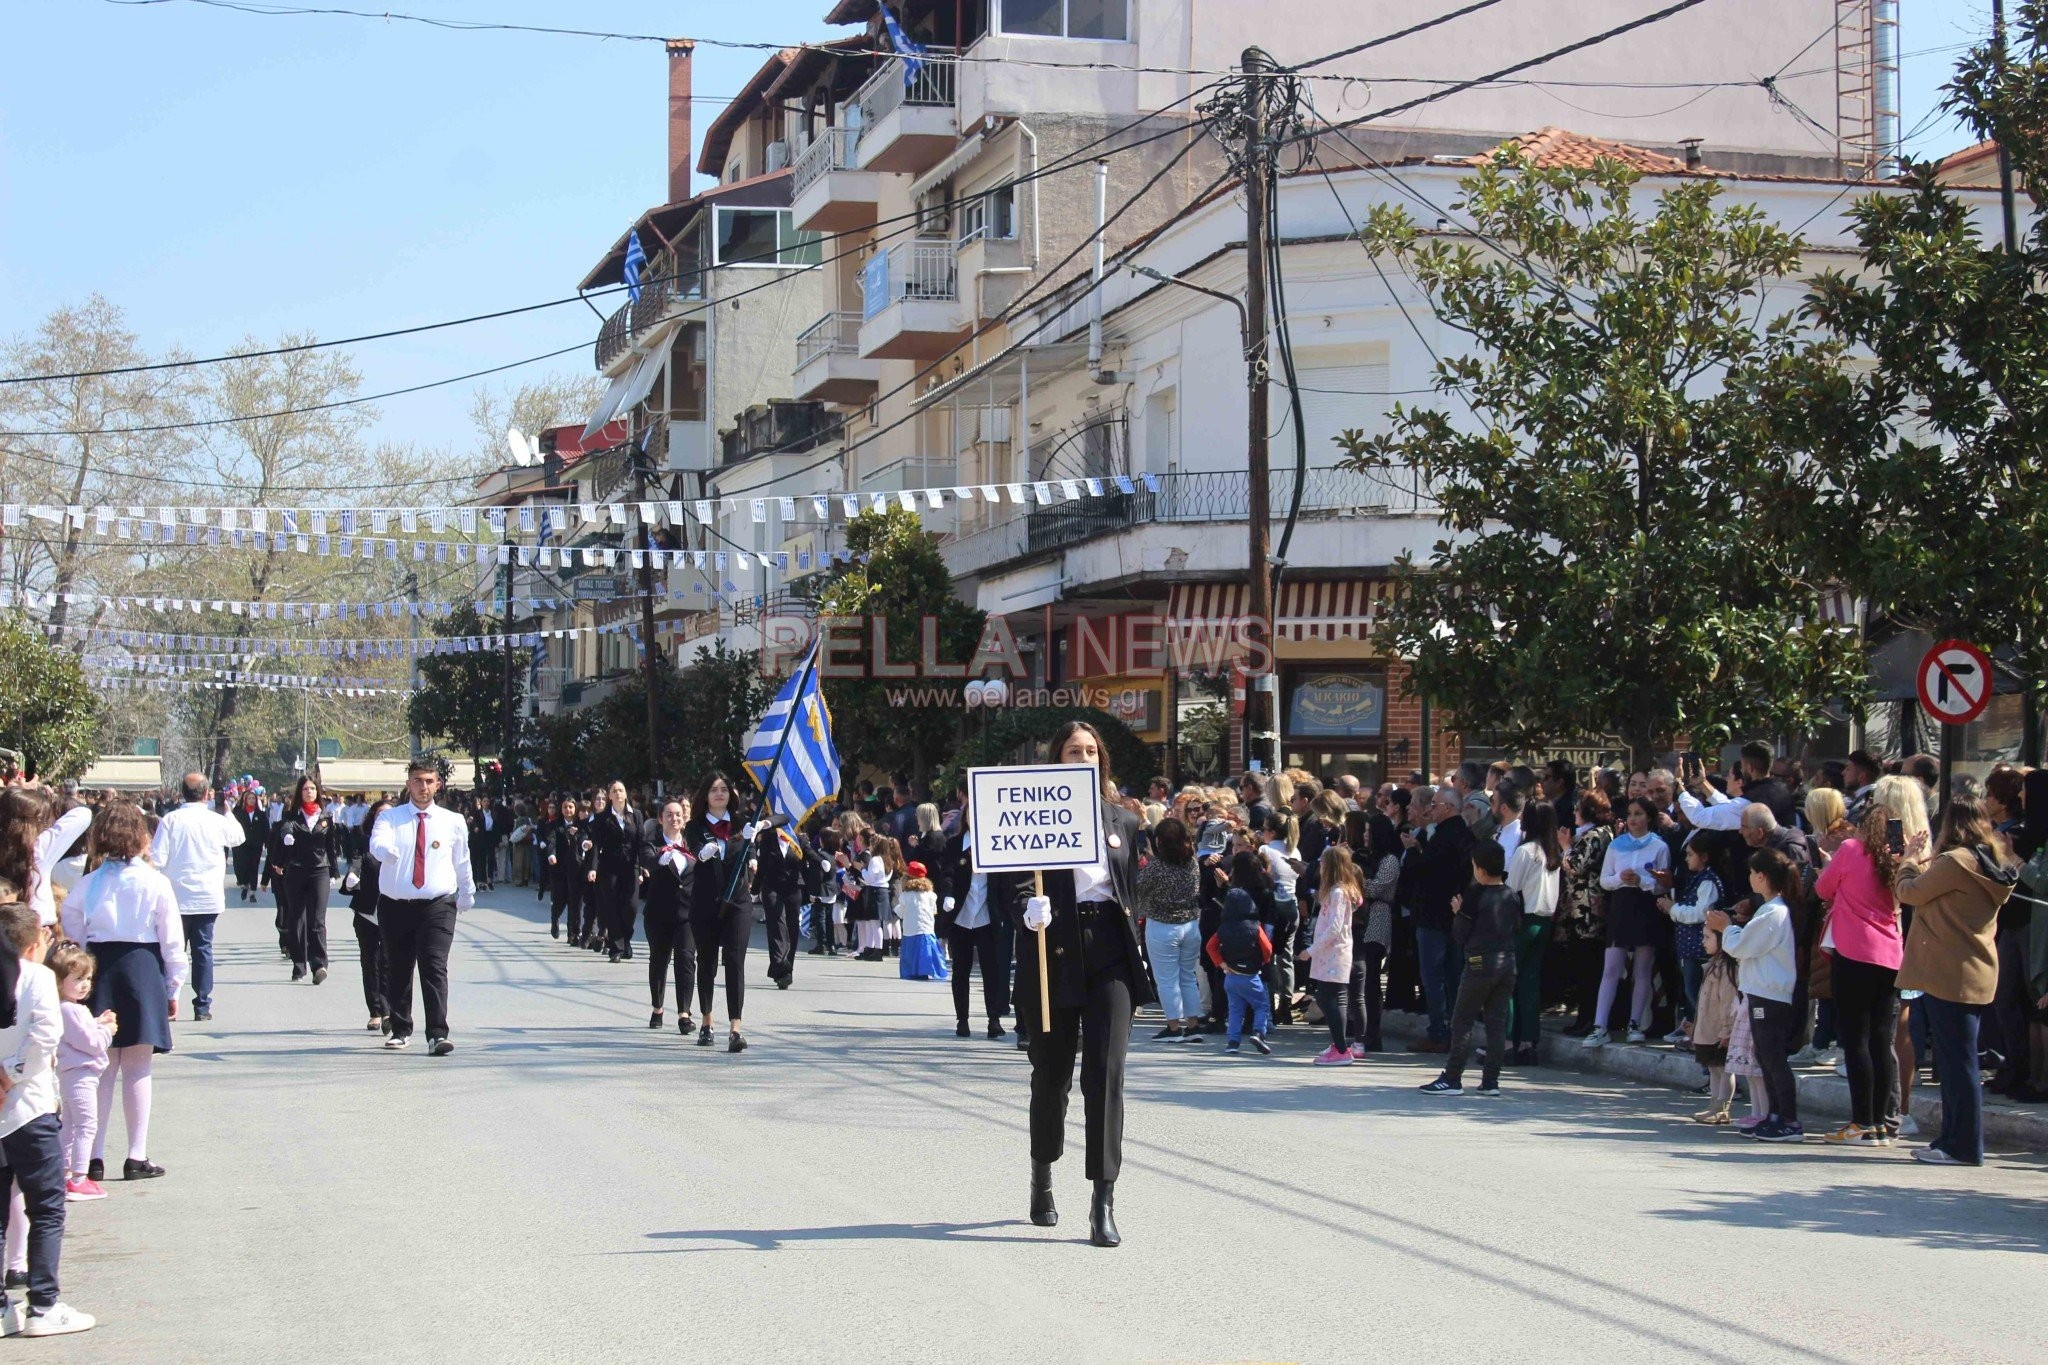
{"x": 1907, "y": 1127}
{"x": 1806, "y": 1056}
{"x": 1830, "y": 1056}
{"x": 1636, "y": 1035}
{"x": 396, "y": 1042}
{"x": 1841, "y": 1069}
{"x": 1677, "y": 1036}
{"x": 59, "y": 1319}
{"x": 12, "y": 1318}
{"x": 1597, "y": 1038}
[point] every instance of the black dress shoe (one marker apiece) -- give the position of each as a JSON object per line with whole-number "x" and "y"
{"x": 95, "y": 1170}
{"x": 960, "y": 1030}
{"x": 1044, "y": 1213}
{"x": 996, "y": 1030}
{"x": 685, "y": 1027}
{"x": 654, "y": 1019}
{"x": 17, "y": 1279}
{"x": 735, "y": 1042}
{"x": 131, "y": 1169}
{"x": 1102, "y": 1215}
{"x": 201, "y": 1016}
{"x": 781, "y": 983}
{"x": 704, "y": 1035}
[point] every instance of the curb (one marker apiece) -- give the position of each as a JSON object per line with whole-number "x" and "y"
{"x": 2020, "y": 1127}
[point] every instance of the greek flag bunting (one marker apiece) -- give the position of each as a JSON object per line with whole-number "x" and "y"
{"x": 791, "y": 756}
{"x": 636, "y": 261}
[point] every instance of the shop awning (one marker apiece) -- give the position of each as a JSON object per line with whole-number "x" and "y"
{"x": 1310, "y": 608}
{"x": 350, "y": 775}
{"x": 630, "y": 389}
{"x": 124, "y": 772}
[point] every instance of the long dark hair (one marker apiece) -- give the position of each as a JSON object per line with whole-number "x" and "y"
{"x": 702, "y": 805}
{"x": 1382, "y": 839}
{"x": 1171, "y": 840}
{"x": 1539, "y": 827}
{"x": 1248, "y": 873}
{"x": 299, "y": 790}
{"x": 1077, "y": 727}
{"x": 1776, "y": 869}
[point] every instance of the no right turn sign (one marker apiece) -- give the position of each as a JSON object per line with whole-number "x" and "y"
{"x": 1955, "y": 682}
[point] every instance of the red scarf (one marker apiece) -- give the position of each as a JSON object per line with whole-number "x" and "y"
{"x": 721, "y": 829}
{"x": 311, "y": 808}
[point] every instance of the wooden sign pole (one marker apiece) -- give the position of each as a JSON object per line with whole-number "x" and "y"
{"x": 1044, "y": 976}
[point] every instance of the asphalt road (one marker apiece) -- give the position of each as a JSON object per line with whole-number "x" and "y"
{"x": 570, "y": 1186}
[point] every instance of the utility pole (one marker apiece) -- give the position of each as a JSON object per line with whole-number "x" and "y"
{"x": 506, "y": 719}
{"x": 412, "y": 594}
{"x": 2030, "y": 710}
{"x": 1258, "y": 462}
{"x": 647, "y": 648}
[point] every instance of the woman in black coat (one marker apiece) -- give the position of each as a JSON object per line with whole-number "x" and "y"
{"x": 308, "y": 847}
{"x": 615, "y": 871}
{"x": 564, "y": 862}
{"x": 668, "y": 888}
{"x": 255, "y": 823}
{"x": 721, "y": 913}
{"x": 369, "y": 935}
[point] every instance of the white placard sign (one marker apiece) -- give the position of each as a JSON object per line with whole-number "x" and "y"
{"x": 1035, "y": 817}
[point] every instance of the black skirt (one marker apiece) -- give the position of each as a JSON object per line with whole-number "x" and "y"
{"x": 128, "y": 978}
{"x": 1633, "y": 919}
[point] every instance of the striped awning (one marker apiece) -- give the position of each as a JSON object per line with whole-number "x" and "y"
{"x": 1310, "y": 608}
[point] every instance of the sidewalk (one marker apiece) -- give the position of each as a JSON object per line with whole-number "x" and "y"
{"x": 2007, "y": 1127}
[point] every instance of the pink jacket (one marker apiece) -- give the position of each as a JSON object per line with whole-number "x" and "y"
{"x": 1863, "y": 917}
{"x": 1329, "y": 956}
{"x": 84, "y": 1046}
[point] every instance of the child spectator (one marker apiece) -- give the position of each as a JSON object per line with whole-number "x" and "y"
{"x": 1487, "y": 917}
{"x": 1341, "y": 891}
{"x": 1769, "y": 971}
{"x": 921, "y": 958}
{"x": 1712, "y": 1025}
{"x": 1241, "y": 948}
{"x": 30, "y": 1135}
{"x": 1697, "y": 893}
{"x": 81, "y": 1057}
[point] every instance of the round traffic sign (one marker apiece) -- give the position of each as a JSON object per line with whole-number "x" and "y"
{"x": 1955, "y": 682}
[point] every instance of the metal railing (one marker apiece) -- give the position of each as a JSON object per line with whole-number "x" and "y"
{"x": 909, "y": 270}
{"x": 912, "y": 471}
{"x": 831, "y": 150}
{"x": 833, "y": 334}
{"x": 669, "y": 280}
{"x": 746, "y": 611}
{"x": 894, "y": 85}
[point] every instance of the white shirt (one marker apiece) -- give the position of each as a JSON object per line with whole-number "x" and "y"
{"x": 1509, "y": 837}
{"x": 129, "y": 901}
{"x": 1529, "y": 874}
{"x": 1283, "y": 873}
{"x": 1091, "y": 883}
{"x": 50, "y": 846}
{"x": 1642, "y": 861}
{"x": 1718, "y": 811}
{"x": 974, "y": 913}
{"x": 190, "y": 846}
{"x": 447, "y": 872}
{"x": 28, "y": 1050}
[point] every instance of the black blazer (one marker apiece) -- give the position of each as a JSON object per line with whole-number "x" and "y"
{"x": 565, "y": 846}
{"x": 1442, "y": 871}
{"x": 315, "y": 846}
{"x": 667, "y": 892}
{"x": 615, "y": 840}
{"x": 1069, "y": 973}
{"x": 709, "y": 888}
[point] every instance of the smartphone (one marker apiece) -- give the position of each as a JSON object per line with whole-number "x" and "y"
{"x": 1895, "y": 837}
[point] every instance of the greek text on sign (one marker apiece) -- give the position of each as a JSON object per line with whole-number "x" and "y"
{"x": 1955, "y": 682}
{"x": 1035, "y": 817}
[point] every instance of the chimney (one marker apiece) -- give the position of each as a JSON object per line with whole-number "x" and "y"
{"x": 1692, "y": 152}
{"x": 679, "y": 158}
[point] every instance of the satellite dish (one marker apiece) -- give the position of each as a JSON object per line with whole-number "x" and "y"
{"x": 525, "y": 449}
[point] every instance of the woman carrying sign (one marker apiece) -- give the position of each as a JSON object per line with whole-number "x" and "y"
{"x": 1097, "y": 980}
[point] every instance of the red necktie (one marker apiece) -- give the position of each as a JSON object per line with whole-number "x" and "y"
{"x": 419, "y": 850}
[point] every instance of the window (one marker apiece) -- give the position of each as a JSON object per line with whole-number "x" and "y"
{"x": 992, "y": 215}
{"x": 762, "y": 237}
{"x": 1103, "y": 20}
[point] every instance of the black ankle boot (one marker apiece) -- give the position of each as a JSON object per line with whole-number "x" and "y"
{"x": 1043, "y": 1211}
{"x": 1102, "y": 1215}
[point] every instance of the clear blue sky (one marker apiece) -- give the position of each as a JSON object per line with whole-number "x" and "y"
{"x": 220, "y": 175}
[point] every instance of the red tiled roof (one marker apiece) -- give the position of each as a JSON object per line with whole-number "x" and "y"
{"x": 1969, "y": 156}
{"x": 1555, "y": 148}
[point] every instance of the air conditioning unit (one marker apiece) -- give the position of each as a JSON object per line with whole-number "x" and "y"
{"x": 778, "y": 157}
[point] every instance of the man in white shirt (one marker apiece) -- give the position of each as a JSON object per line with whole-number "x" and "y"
{"x": 1508, "y": 800}
{"x": 31, "y": 1146}
{"x": 424, "y": 881}
{"x": 191, "y": 847}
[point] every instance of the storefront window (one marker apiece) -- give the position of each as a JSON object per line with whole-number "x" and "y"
{"x": 1334, "y": 721}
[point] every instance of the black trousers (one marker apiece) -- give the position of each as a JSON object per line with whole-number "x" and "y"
{"x": 305, "y": 919}
{"x": 370, "y": 948}
{"x": 615, "y": 908}
{"x": 574, "y": 898}
{"x": 669, "y": 935}
{"x": 966, "y": 945}
{"x": 34, "y": 1156}
{"x": 783, "y": 909}
{"x": 723, "y": 933}
{"x": 417, "y": 934}
{"x": 2011, "y": 1007}
{"x": 1362, "y": 1002}
{"x": 1100, "y": 1032}
{"x": 1866, "y": 1018}
{"x": 562, "y": 899}
{"x": 1485, "y": 988}
{"x": 1774, "y": 1027}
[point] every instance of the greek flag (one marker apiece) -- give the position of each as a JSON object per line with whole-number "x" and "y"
{"x": 912, "y": 52}
{"x": 636, "y": 261}
{"x": 795, "y": 765}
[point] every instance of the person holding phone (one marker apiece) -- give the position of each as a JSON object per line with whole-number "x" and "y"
{"x": 1637, "y": 866}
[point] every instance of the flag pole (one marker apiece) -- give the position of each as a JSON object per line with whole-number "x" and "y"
{"x": 775, "y": 764}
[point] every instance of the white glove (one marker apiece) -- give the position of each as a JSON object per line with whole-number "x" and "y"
{"x": 1037, "y": 913}
{"x": 947, "y": 904}
{"x": 676, "y": 859}
{"x": 750, "y": 831}
{"x": 714, "y": 849}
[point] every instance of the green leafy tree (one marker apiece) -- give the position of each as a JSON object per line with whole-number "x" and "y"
{"x": 899, "y": 577}
{"x": 47, "y": 711}
{"x": 708, "y": 708}
{"x": 1935, "y": 484}
{"x": 1616, "y": 501}
{"x": 461, "y": 697}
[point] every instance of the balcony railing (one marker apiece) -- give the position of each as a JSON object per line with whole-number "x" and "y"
{"x": 908, "y": 270}
{"x": 833, "y": 334}
{"x": 912, "y": 471}
{"x": 893, "y": 85}
{"x": 832, "y": 150}
{"x": 667, "y": 280}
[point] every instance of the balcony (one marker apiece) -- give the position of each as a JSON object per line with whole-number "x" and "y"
{"x": 910, "y": 302}
{"x": 668, "y": 283}
{"x": 829, "y": 365}
{"x": 779, "y": 428}
{"x": 829, "y": 192}
{"x": 906, "y": 118}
